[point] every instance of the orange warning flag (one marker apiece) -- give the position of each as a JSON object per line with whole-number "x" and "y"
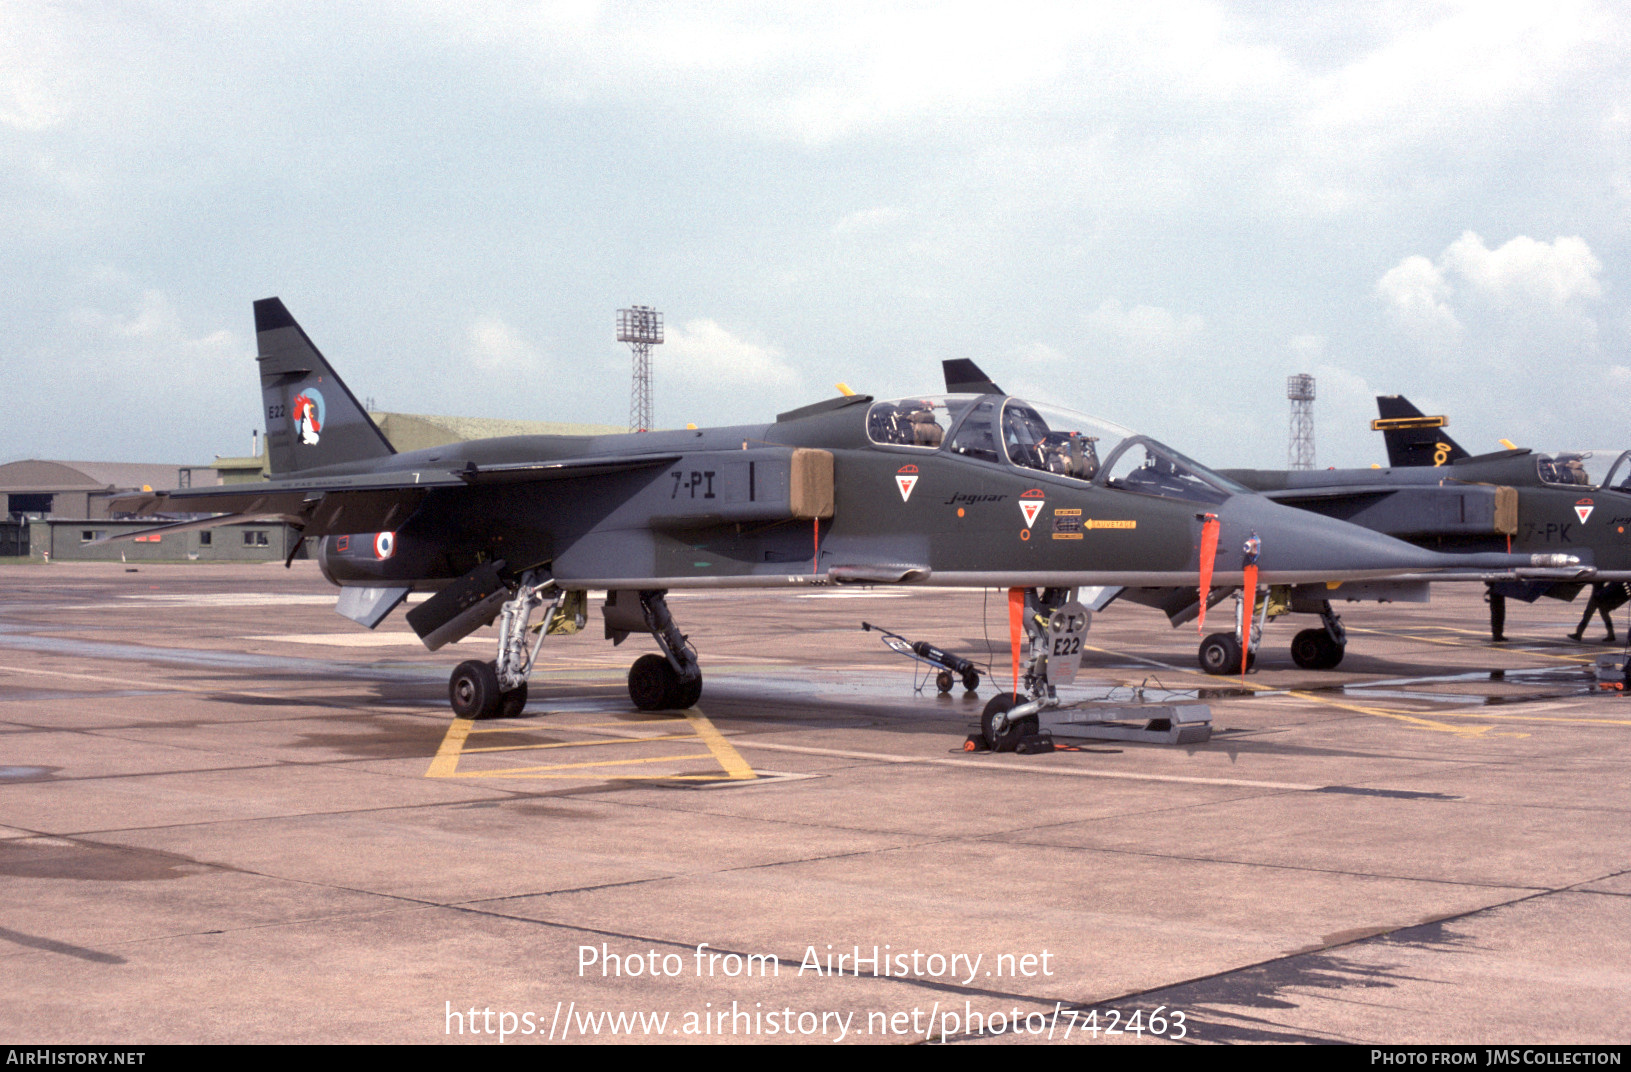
{"x": 1209, "y": 551}
{"x": 1016, "y": 619}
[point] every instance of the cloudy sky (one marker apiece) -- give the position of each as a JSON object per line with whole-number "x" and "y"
{"x": 1150, "y": 211}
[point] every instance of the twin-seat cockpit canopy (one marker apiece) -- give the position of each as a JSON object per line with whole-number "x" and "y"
{"x": 1608, "y": 470}
{"x": 1008, "y": 431}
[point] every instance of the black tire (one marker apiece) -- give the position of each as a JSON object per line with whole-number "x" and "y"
{"x": 653, "y": 684}
{"x": 971, "y": 680}
{"x": 1313, "y": 649}
{"x": 944, "y": 681}
{"x": 1008, "y": 738}
{"x": 473, "y": 690}
{"x": 512, "y": 703}
{"x": 687, "y": 693}
{"x": 1220, "y": 654}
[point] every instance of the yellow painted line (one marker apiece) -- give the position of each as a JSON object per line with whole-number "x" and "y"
{"x": 1402, "y": 716}
{"x": 149, "y": 684}
{"x": 447, "y": 756}
{"x": 587, "y": 727}
{"x": 582, "y": 744}
{"x": 1027, "y": 768}
{"x": 728, "y": 757}
{"x": 1536, "y": 718}
{"x": 581, "y": 766}
{"x": 1580, "y": 659}
{"x": 1376, "y": 712}
{"x": 735, "y": 768}
{"x": 711, "y": 778}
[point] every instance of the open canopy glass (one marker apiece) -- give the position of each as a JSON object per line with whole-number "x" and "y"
{"x": 1586, "y": 469}
{"x": 1074, "y": 446}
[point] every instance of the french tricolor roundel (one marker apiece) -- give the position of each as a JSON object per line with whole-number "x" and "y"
{"x": 906, "y": 480}
{"x": 384, "y": 545}
{"x": 1030, "y": 504}
{"x": 1584, "y": 508}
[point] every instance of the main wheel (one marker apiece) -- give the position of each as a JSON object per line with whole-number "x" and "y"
{"x": 1220, "y": 654}
{"x": 943, "y": 681}
{"x": 688, "y": 692}
{"x": 512, "y": 703}
{"x": 473, "y": 690}
{"x": 971, "y": 680}
{"x": 1313, "y": 649}
{"x": 1009, "y": 737}
{"x": 653, "y": 684}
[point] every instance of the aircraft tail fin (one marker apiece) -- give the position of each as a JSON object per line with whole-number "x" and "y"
{"x": 964, "y": 377}
{"x": 312, "y": 418}
{"x": 1413, "y": 438}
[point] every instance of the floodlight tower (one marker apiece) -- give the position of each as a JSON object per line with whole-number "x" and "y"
{"x": 642, "y": 328}
{"x": 1300, "y": 389}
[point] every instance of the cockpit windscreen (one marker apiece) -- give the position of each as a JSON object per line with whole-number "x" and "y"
{"x": 1153, "y": 468}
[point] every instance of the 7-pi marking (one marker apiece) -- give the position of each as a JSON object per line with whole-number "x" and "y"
{"x": 703, "y": 480}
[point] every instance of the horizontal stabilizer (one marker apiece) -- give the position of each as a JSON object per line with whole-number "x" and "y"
{"x": 524, "y": 472}
{"x": 368, "y": 606}
{"x": 192, "y": 526}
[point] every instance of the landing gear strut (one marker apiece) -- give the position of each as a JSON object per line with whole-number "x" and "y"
{"x": 1055, "y": 624}
{"x": 499, "y": 688}
{"x": 670, "y": 681}
{"x": 1220, "y": 652}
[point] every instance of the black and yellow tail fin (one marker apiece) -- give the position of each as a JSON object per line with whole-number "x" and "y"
{"x": 1413, "y": 438}
{"x": 312, "y": 419}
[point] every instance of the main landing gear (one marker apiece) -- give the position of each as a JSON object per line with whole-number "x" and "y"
{"x": 499, "y": 688}
{"x": 666, "y": 682}
{"x": 1321, "y": 648}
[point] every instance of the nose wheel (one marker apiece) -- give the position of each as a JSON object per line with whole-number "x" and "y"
{"x": 1008, "y": 737}
{"x": 1220, "y": 655}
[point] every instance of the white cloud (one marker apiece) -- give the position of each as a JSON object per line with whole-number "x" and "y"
{"x": 1525, "y": 295}
{"x": 140, "y": 379}
{"x": 703, "y": 353}
{"x": 33, "y": 61}
{"x": 491, "y": 344}
{"x": 1527, "y": 272}
{"x": 1415, "y": 293}
{"x": 1144, "y": 331}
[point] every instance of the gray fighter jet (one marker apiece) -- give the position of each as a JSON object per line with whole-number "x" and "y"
{"x": 1436, "y": 495}
{"x": 970, "y": 488}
